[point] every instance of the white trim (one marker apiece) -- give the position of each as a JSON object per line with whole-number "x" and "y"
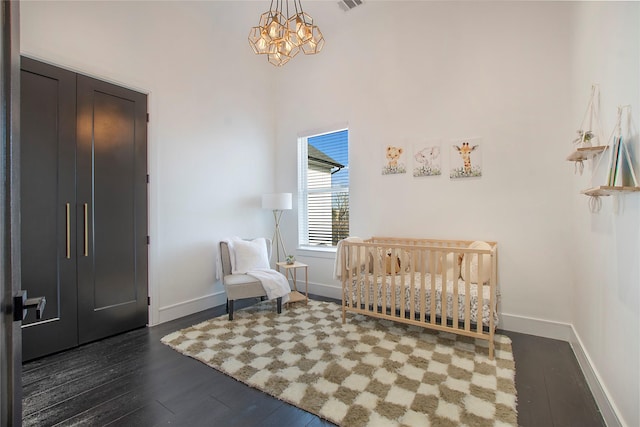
{"x": 153, "y": 211}
{"x": 607, "y": 406}
{"x": 185, "y": 308}
{"x": 338, "y": 127}
{"x": 326, "y": 252}
{"x": 328, "y": 188}
{"x": 329, "y": 291}
{"x": 535, "y": 326}
{"x": 99, "y": 75}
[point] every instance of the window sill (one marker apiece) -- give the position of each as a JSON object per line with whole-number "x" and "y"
{"x": 317, "y": 252}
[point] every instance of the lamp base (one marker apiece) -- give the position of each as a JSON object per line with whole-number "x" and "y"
{"x": 277, "y": 237}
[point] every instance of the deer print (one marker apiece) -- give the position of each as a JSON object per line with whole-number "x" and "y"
{"x": 465, "y": 153}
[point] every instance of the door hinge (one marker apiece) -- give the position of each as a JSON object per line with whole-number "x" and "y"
{"x": 147, "y": 117}
{"x": 147, "y": 178}
{"x": 148, "y": 300}
{"x": 148, "y": 240}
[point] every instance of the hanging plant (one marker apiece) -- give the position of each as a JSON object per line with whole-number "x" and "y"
{"x": 587, "y": 134}
{"x": 584, "y": 138}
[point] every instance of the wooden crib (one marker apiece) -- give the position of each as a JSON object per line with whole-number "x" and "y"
{"x": 446, "y": 285}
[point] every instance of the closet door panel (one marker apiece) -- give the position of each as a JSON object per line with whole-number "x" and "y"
{"x": 48, "y": 126}
{"x": 113, "y": 211}
{"x": 112, "y": 201}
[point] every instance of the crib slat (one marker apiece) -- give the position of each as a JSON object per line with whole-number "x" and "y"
{"x": 492, "y": 301}
{"x": 374, "y": 281}
{"x": 392, "y": 292}
{"x": 423, "y": 293}
{"x": 454, "y": 302}
{"x": 384, "y": 288}
{"x": 367, "y": 269}
{"x": 432, "y": 316}
{"x": 412, "y": 258}
{"x": 355, "y": 268}
{"x": 443, "y": 291}
{"x": 343, "y": 277}
{"x": 480, "y": 289}
{"x": 406, "y": 281}
{"x": 402, "y": 290}
{"x": 346, "y": 275}
{"x": 358, "y": 290}
{"x": 467, "y": 294}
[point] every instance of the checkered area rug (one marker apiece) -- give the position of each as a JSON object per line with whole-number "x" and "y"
{"x": 367, "y": 372}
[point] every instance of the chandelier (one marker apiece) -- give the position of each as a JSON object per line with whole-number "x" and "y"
{"x": 281, "y": 37}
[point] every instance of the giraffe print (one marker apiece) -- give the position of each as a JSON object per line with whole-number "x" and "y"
{"x": 465, "y": 153}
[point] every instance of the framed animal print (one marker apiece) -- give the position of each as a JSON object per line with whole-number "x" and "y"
{"x": 427, "y": 159}
{"x": 466, "y": 158}
{"x": 394, "y": 159}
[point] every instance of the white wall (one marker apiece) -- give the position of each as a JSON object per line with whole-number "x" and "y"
{"x": 606, "y": 245}
{"x": 449, "y": 70}
{"x": 516, "y": 74}
{"x": 211, "y": 137}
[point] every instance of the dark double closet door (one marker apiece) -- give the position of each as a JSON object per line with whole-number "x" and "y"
{"x": 83, "y": 192}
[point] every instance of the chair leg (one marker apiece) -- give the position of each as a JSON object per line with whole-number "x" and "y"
{"x": 279, "y": 304}
{"x": 227, "y": 309}
{"x": 230, "y": 304}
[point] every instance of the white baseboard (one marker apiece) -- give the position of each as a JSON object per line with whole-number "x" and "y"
{"x": 185, "y": 308}
{"x": 329, "y": 291}
{"x": 534, "y": 326}
{"x": 600, "y": 393}
{"x": 566, "y": 332}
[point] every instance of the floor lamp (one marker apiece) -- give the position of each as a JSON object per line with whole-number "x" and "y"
{"x": 278, "y": 203}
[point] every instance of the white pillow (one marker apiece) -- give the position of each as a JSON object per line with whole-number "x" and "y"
{"x": 249, "y": 255}
{"x": 232, "y": 255}
{"x": 473, "y": 268}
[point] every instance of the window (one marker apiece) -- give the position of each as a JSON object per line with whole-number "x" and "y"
{"x": 323, "y": 188}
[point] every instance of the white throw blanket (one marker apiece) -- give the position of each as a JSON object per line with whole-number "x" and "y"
{"x": 275, "y": 284}
{"x": 337, "y": 267}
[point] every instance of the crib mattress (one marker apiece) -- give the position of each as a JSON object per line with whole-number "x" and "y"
{"x": 384, "y": 282}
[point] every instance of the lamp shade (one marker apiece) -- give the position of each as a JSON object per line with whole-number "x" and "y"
{"x": 276, "y": 201}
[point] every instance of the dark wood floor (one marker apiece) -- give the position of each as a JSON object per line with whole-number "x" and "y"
{"x": 134, "y": 380}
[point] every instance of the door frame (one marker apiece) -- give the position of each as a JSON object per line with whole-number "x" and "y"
{"x": 10, "y": 330}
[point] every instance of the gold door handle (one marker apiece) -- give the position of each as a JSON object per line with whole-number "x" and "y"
{"x": 68, "y": 248}
{"x": 86, "y": 229}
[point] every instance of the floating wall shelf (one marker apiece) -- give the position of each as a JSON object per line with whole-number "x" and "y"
{"x": 590, "y": 133}
{"x": 606, "y": 190}
{"x": 586, "y": 153}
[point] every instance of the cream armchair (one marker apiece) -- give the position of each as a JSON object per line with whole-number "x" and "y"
{"x": 241, "y": 286}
